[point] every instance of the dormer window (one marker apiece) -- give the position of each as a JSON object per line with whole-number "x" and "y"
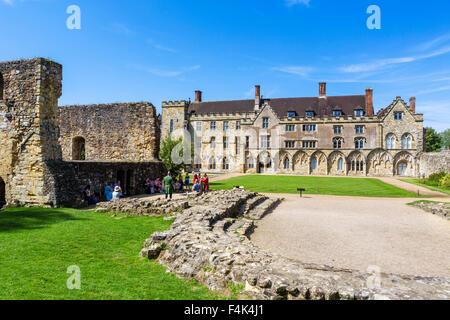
{"x": 291, "y": 114}
{"x": 310, "y": 114}
{"x": 265, "y": 123}
{"x": 359, "y": 113}
{"x": 398, "y": 115}
{"x": 337, "y": 113}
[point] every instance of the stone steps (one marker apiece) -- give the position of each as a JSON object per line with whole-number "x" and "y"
{"x": 262, "y": 208}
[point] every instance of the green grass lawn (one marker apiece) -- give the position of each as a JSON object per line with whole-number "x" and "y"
{"x": 434, "y": 188}
{"x": 38, "y": 245}
{"x": 364, "y": 187}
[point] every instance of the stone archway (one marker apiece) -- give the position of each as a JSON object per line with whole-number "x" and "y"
{"x": 356, "y": 164}
{"x": 404, "y": 164}
{"x": 301, "y": 163}
{"x": 380, "y": 163}
{"x": 2, "y": 192}
{"x": 319, "y": 163}
{"x": 337, "y": 164}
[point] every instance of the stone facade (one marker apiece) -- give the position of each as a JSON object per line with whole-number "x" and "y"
{"x": 68, "y": 178}
{"x": 433, "y": 162}
{"x": 342, "y": 136}
{"x": 113, "y": 132}
{"x": 32, "y": 167}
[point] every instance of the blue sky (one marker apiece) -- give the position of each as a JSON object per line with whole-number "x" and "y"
{"x": 155, "y": 50}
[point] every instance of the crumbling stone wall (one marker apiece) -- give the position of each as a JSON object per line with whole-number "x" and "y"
{"x": 28, "y": 127}
{"x": 112, "y": 132}
{"x": 433, "y": 162}
{"x": 209, "y": 242}
{"x": 67, "y": 179}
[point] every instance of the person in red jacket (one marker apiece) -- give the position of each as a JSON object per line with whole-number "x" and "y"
{"x": 205, "y": 183}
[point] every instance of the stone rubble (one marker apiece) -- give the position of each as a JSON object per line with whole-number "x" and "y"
{"x": 209, "y": 241}
{"x": 440, "y": 209}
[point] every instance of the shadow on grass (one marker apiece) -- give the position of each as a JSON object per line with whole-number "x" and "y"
{"x": 14, "y": 219}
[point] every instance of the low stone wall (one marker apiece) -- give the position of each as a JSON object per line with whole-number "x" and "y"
{"x": 65, "y": 180}
{"x": 437, "y": 208}
{"x": 433, "y": 162}
{"x": 209, "y": 242}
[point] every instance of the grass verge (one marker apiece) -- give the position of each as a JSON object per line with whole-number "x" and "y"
{"x": 38, "y": 245}
{"x": 363, "y": 187}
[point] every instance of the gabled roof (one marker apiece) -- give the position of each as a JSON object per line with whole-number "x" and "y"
{"x": 320, "y": 106}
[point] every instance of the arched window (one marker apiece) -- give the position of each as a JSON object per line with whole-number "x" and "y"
{"x": 287, "y": 163}
{"x": 340, "y": 165}
{"x": 314, "y": 163}
{"x": 212, "y": 164}
{"x": 407, "y": 141}
{"x": 79, "y": 149}
{"x": 225, "y": 164}
{"x": 251, "y": 163}
{"x": 337, "y": 143}
{"x": 359, "y": 143}
{"x": 2, "y": 86}
{"x": 390, "y": 141}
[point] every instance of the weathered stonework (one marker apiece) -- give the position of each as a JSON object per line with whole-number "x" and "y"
{"x": 228, "y": 137}
{"x": 433, "y": 162}
{"x": 111, "y": 132}
{"x": 438, "y": 208}
{"x": 32, "y": 170}
{"x": 68, "y": 178}
{"x": 209, "y": 242}
{"x": 28, "y": 128}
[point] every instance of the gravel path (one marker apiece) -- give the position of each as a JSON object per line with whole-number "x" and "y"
{"x": 357, "y": 233}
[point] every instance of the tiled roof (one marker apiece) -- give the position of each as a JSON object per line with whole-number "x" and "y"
{"x": 320, "y": 106}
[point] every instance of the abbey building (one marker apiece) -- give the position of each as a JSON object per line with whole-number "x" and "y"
{"x": 323, "y": 135}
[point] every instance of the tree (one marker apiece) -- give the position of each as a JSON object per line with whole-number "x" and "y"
{"x": 445, "y": 136}
{"x": 172, "y": 154}
{"x": 433, "y": 141}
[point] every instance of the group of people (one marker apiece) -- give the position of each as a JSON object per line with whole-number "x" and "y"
{"x": 168, "y": 185}
{"x": 171, "y": 183}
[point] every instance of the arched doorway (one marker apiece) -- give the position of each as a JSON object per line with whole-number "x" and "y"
{"x": 2, "y": 193}
{"x": 402, "y": 168}
{"x": 79, "y": 149}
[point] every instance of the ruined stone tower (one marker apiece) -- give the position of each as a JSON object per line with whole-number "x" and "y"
{"x": 29, "y": 92}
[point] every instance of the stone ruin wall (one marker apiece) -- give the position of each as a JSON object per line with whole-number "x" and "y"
{"x": 209, "y": 241}
{"x": 28, "y": 128}
{"x": 68, "y": 178}
{"x": 433, "y": 162}
{"x": 112, "y": 132}
{"x": 32, "y": 169}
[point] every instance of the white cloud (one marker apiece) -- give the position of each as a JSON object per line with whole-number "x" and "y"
{"x": 120, "y": 28}
{"x": 8, "y": 2}
{"x": 428, "y": 45}
{"x": 385, "y": 63}
{"x": 296, "y": 70}
{"x": 290, "y": 3}
{"x": 433, "y": 90}
{"x": 166, "y": 73}
{"x": 160, "y": 47}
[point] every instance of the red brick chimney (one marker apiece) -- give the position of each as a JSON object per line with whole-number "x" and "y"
{"x": 322, "y": 89}
{"x": 257, "y": 97}
{"x": 412, "y": 104}
{"x": 369, "y": 102}
{"x": 198, "y": 96}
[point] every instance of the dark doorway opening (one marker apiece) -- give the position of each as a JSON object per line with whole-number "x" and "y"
{"x": 79, "y": 149}
{"x": 2, "y": 193}
{"x": 130, "y": 183}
